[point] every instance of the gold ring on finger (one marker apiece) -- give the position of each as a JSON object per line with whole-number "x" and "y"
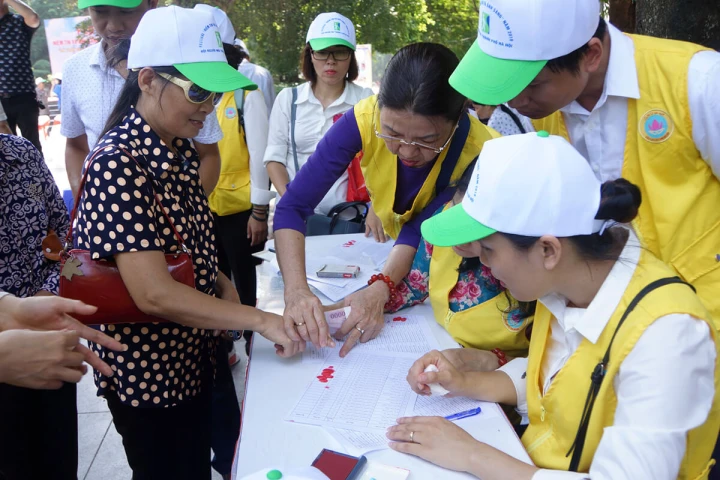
{"x": 300, "y": 324}
{"x": 362, "y": 332}
{"x": 412, "y": 434}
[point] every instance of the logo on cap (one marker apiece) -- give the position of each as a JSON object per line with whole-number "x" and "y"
{"x": 205, "y": 37}
{"x": 502, "y": 32}
{"x": 335, "y": 27}
{"x": 656, "y": 126}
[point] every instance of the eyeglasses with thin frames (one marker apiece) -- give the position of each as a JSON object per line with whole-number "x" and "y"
{"x": 390, "y": 138}
{"x": 193, "y": 93}
{"x": 338, "y": 55}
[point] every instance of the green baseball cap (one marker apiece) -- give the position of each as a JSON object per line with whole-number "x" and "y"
{"x": 109, "y": 3}
{"x": 329, "y": 30}
{"x": 516, "y": 39}
{"x": 190, "y": 41}
{"x": 454, "y": 227}
{"x": 490, "y": 80}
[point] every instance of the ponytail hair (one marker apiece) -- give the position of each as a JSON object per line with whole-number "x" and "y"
{"x": 619, "y": 202}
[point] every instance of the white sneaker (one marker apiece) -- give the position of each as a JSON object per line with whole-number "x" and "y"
{"x": 233, "y": 357}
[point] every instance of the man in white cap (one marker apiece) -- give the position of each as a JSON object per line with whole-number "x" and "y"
{"x": 259, "y": 75}
{"x": 639, "y": 107}
{"x": 93, "y": 78}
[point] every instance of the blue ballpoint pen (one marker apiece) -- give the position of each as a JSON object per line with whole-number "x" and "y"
{"x": 465, "y": 414}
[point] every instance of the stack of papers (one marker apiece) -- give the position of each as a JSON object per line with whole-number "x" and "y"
{"x": 358, "y": 397}
{"x": 357, "y": 250}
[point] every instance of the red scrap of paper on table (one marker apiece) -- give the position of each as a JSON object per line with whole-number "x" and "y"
{"x": 399, "y": 319}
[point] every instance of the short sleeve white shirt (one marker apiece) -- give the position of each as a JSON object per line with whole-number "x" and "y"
{"x": 90, "y": 90}
{"x": 311, "y": 124}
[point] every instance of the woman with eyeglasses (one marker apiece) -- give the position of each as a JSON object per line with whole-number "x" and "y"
{"x": 329, "y": 65}
{"x": 417, "y": 139}
{"x": 142, "y": 183}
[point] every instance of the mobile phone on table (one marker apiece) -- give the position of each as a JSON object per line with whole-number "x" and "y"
{"x": 339, "y": 466}
{"x": 338, "y": 271}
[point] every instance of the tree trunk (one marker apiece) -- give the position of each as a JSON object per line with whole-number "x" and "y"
{"x": 696, "y": 21}
{"x": 622, "y": 15}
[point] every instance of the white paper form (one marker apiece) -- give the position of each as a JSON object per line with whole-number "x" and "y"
{"x": 364, "y": 391}
{"x": 434, "y": 406}
{"x": 363, "y": 248}
{"x": 358, "y": 443}
{"x": 402, "y": 333}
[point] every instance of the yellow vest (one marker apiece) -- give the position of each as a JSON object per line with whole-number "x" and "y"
{"x": 484, "y": 326}
{"x": 232, "y": 192}
{"x": 379, "y": 166}
{"x": 555, "y": 417}
{"x": 679, "y": 219}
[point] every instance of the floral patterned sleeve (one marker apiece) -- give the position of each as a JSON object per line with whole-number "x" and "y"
{"x": 414, "y": 287}
{"x": 58, "y": 220}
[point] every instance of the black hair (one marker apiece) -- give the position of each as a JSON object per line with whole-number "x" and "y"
{"x": 571, "y": 61}
{"x": 308, "y": 69}
{"x": 620, "y": 202}
{"x": 234, "y": 55}
{"x": 118, "y": 53}
{"x": 417, "y": 80}
{"x": 526, "y": 309}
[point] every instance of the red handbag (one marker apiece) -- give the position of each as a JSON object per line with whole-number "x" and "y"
{"x": 98, "y": 282}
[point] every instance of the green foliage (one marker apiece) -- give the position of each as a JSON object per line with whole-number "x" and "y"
{"x": 41, "y": 68}
{"x": 275, "y": 30}
{"x": 48, "y": 9}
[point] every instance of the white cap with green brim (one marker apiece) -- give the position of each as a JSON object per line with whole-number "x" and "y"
{"x": 225, "y": 26}
{"x": 329, "y": 30}
{"x": 532, "y": 185}
{"x": 188, "y": 40}
{"x": 516, "y": 38}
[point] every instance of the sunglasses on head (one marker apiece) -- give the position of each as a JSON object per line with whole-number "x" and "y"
{"x": 193, "y": 93}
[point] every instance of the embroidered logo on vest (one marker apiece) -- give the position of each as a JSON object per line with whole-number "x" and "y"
{"x": 513, "y": 322}
{"x": 656, "y": 126}
{"x": 230, "y": 113}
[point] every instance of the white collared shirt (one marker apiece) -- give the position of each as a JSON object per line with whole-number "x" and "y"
{"x": 311, "y": 124}
{"x": 261, "y": 77}
{"x": 256, "y": 130}
{"x": 90, "y": 90}
{"x": 665, "y": 386}
{"x": 600, "y": 135}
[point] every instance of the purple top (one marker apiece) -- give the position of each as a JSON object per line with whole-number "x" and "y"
{"x": 332, "y": 157}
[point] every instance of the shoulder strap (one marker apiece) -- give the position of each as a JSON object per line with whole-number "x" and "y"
{"x": 513, "y": 117}
{"x": 600, "y": 369}
{"x": 293, "y": 117}
{"x": 453, "y": 155}
{"x": 68, "y": 237}
{"x": 239, "y": 95}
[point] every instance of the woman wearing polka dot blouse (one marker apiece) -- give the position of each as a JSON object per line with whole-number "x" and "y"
{"x": 160, "y": 394}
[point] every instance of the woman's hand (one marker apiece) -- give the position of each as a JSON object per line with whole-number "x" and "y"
{"x": 373, "y": 226}
{"x": 42, "y": 360}
{"x": 434, "y": 439}
{"x": 304, "y": 318}
{"x": 54, "y": 313}
{"x": 471, "y": 359}
{"x": 274, "y": 330}
{"x": 447, "y": 375}
{"x": 257, "y": 231}
{"x": 366, "y": 319}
